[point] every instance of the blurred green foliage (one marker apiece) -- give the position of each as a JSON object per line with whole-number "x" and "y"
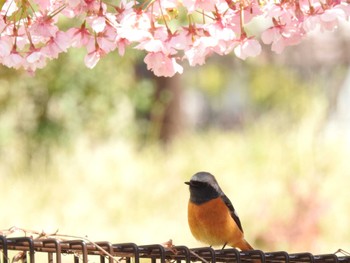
{"x": 212, "y": 80}
{"x": 261, "y": 90}
{"x": 280, "y": 90}
{"x": 66, "y": 99}
{"x": 62, "y": 100}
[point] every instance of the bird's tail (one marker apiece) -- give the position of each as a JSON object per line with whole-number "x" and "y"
{"x": 244, "y": 246}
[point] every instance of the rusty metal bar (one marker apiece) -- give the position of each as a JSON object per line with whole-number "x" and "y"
{"x": 232, "y": 254}
{"x": 57, "y": 245}
{"x": 302, "y": 257}
{"x": 154, "y": 252}
{"x": 181, "y": 253}
{"x": 254, "y": 255}
{"x": 326, "y": 258}
{"x": 206, "y": 253}
{"x": 107, "y": 246}
{"x": 127, "y": 250}
{"x": 3, "y": 241}
{"x": 132, "y": 253}
{"x": 78, "y": 248}
{"x": 278, "y": 256}
{"x": 21, "y": 242}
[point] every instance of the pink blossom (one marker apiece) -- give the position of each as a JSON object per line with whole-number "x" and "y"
{"x": 123, "y": 9}
{"x": 135, "y": 27}
{"x": 31, "y": 32}
{"x": 13, "y": 60}
{"x": 2, "y": 23}
{"x": 344, "y": 7}
{"x": 251, "y": 11}
{"x": 158, "y": 41}
{"x": 122, "y": 43}
{"x": 247, "y": 47}
{"x": 152, "y": 45}
{"x": 107, "y": 39}
{"x": 221, "y": 31}
{"x": 44, "y": 4}
{"x": 56, "y": 45}
{"x": 43, "y": 26}
{"x": 162, "y": 65}
{"x": 5, "y": 46}
{"x": 180, "y": 40}
{"x": 192, "y": 5}
{"x": 183, "y": 38}
{"x": 73, "y": 3}
{"x": 200, "y": 49}
{"x": 334, "y": 14}
{"x": 282, "y": 36}
{"x": 325, "y": 20}
{"x": 93, "y": 57}
{"x": 79, "y": 37}
{"x": 35, "y": 59}
{"x": 18, "y": 35}
{"x": 280, "y": 13}
{"x": 97, "y": 23}
{"x": 224, "y": 34}
{"x": 87, "y": 6}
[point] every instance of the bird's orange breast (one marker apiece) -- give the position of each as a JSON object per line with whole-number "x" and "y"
{"x": 211, "y": 223}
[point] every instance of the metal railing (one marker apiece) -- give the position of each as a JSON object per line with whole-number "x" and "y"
{"x": 27, "y": 249}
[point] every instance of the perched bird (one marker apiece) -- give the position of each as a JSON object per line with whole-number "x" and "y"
{"x": 211, "y": 215}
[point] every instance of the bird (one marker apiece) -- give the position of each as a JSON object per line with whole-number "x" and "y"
{"x": 211, "y": 216}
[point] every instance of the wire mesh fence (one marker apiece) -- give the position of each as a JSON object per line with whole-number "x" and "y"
{"x": 52, "y": 250}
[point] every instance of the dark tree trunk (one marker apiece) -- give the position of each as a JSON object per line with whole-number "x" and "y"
{"x": 166, "y": 114}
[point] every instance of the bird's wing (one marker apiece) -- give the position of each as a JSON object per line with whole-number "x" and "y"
{"x": 232, "y": 211}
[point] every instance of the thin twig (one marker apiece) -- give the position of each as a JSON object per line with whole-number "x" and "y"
{"x": 199, "y": 257}
{"x": 342, "y": 251}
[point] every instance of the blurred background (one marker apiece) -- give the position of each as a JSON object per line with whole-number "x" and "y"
{"x": 104, "y": 153}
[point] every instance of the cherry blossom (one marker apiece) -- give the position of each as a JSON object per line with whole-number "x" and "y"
{"x": 43, "y": 26}
{"x": 282, "y": 36}
{"x": 5, "y": 46}
{"x": 201, "y": 48}
{"x": 35, "y": 59}
{"x": 162, "y": 65}
{"x": 193, "y": 5}
{"x": 169, "y": 32}
{"x": 13, "y": 60}
{"x": 79, "y": 37}
{"x": 92, "y": 58}
{"x": 135, "y": 26}
{"x": 247, "y": 47}
{"x": 56, "y": 45}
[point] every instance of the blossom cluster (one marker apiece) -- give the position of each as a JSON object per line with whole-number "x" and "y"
{"x": 169, "y": 31}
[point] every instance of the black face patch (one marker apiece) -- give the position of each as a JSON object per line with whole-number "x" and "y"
{"x": 201, "y": 192}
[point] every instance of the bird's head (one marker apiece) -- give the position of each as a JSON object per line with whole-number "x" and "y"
{"x": 203, "y": 187}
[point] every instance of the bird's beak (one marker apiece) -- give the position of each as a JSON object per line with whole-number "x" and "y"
{"x": 188, "y": 183}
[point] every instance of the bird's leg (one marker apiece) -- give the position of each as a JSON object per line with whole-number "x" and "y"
{"x": 224, "y": 246}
